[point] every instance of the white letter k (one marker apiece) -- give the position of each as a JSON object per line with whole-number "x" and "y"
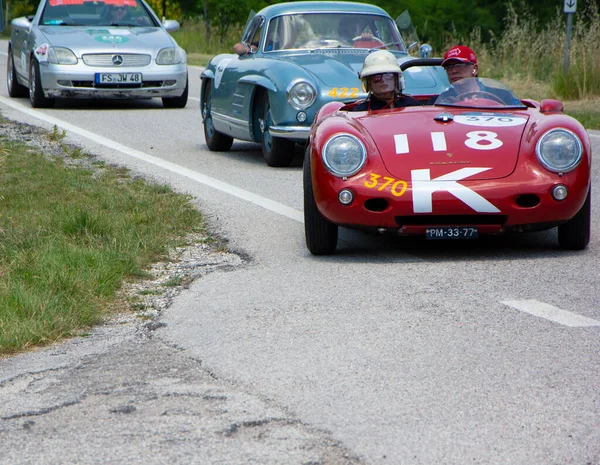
{"x": 423, "y": 187}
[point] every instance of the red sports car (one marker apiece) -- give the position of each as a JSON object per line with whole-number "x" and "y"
{"x": 471, "y": 164}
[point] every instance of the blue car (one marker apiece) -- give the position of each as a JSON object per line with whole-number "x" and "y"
{"x": 300, "y": 55}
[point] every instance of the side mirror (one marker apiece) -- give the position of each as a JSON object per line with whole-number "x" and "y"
{"x": 425, "y": 50}
{"x": 170, "y": 25}
{"x": 21, "y": 23}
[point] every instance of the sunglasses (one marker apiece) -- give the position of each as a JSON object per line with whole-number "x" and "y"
{"x": 379, "y": 77}
{"x": 458, "y": 66}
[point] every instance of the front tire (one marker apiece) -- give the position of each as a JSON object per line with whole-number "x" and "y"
{"x": 14, "y": 88}
{"x": 215, "y": 140}
{"x": 321, "y": 234}
{"x": 575, "y": 233}
{"x": 177, "y": 102}
{"x": 277, "y": 151}
{"x": 36, "y": 93}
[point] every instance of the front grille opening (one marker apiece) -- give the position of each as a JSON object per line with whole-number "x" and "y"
{"x": 528, "y": 200}
{"x": 450, "y": 220}
{"x": 376, "y": 205}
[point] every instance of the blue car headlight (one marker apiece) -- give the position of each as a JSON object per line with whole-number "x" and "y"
{"x": 301, "y": 95}
{"x": 344, "y": 155}
{"x": 559, "y": 150}
{"x": 171, "y": 56}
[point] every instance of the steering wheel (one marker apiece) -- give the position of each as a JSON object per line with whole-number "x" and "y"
{"x": 480, "y": 94}
{"x": 368, "y": 39}
{"x": 367, "y": 42}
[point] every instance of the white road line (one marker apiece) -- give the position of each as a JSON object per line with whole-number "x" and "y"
{"x": 248, "y": 196}
{"x": 549, "y": 312}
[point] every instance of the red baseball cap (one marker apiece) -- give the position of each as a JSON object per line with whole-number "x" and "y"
{"x": 460, "y": 53}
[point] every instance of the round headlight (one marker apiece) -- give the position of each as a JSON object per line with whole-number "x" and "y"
{"x": 301, "y": 95}
{"x": 344, "y": 155}
{"x": 559, "y": 150}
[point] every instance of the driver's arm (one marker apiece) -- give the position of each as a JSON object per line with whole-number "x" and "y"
{"x": 241, "y": 48}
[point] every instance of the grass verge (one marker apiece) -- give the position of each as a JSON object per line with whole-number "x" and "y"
{"x": 71, "y": 235}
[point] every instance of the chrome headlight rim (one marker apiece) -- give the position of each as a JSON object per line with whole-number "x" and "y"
{"x": 292, "y": 94}
{"x": 329, "y": 145}
{"x": 543, "y": 159}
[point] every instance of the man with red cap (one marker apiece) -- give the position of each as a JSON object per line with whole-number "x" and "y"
{"x": 460, "y": 64}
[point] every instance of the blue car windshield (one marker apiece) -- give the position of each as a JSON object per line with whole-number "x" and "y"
{"x": 478, "y": 93}
{"x": 332, "y": 30}
{"x": 97, "y": 13}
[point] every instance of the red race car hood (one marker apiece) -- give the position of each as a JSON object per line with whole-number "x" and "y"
{"x": 442, "y": 141}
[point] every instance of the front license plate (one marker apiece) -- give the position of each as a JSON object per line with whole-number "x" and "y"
{"x": 118, "y": 78}
{"x": 452, "y": 232}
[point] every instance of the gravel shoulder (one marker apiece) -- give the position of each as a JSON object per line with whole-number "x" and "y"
{"x": 120, "y": 395}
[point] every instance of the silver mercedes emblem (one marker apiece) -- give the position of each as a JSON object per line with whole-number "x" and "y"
{"x": 117, "y": 60}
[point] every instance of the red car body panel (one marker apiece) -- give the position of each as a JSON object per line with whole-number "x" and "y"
{"x": 477, "y": 168}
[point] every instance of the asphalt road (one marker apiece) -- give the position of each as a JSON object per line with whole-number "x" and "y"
{"x": 391, "y": 351}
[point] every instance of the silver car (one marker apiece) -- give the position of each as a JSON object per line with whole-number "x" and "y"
{"x": 107, "y": 49}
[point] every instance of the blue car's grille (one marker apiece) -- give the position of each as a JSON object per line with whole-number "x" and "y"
{"x": 107, "y": 59}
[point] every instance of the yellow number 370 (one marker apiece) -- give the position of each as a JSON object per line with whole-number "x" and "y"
{"x": 344, "y": 92}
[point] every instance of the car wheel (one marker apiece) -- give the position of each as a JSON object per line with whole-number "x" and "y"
{"x": 14, "y": 88}
{"x": 36, "y": 93}
{"x": 176, "y": 102}
{"x": 215, "y": 140}
{"x": 575, "y": 233}
{"x": 277, "y": 151}
{"x": 321, "y": 234}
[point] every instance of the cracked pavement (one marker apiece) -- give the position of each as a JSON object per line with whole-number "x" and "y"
{"x": 120, "y": 395}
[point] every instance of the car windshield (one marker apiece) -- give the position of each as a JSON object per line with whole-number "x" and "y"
{"x": 478, "y": 93}
{"x": 96, "y": 13}
{"x": 332, "y": 30}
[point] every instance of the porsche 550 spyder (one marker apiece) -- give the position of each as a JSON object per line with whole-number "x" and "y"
{"x": 301, "y": 56}
{"x": 107, "y": 49}
{"x": 474, "y": 163}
